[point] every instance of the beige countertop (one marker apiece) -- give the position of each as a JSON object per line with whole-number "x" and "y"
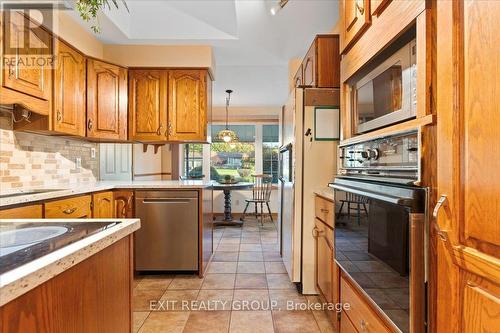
{"x": 55, "y": 193}
{"x": 326, "y": 192}
{"x": 20, "y": 280}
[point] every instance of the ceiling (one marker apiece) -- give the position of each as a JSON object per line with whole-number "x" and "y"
{"x": 251, "y": 47}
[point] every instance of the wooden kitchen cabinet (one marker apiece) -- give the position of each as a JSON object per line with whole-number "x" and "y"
{"x": 356, "y": 19}
{"x": 92, "y": 296}
{"x": 103, "y": 205}
{"x": 29, "y": 86}
{"x": 298, "y": 78}
{"x": 107, "y": 99}
{"x": 187, "y": 105}
{"x": 23, "y": 212}
{"x": 148, "y": 105}
{"x": 321, "y": 65}
{"x": 123, "y": 204}
{"x": 69, "y": 90}
{"x": 378, "y": 6}
{"x": 466, "y": 229}
{"x": 324, "y": 259}
{"x": 76, "y": 207}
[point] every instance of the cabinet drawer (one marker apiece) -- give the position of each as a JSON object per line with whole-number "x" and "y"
{"x": 325, "y": 210}
{"x": 345, "y": 325}
{"x": 24, "y": 212}
{"x": 360, "y": 314}
{"x": 78, "y": 207}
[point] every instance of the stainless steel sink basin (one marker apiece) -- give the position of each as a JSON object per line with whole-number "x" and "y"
{"x": 9, "y": 195}
{"x": 18, "y": 239}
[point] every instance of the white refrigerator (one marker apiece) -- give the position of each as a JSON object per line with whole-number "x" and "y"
{"x": 306, "y": 165}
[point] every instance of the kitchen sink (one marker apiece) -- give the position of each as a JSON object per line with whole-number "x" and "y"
{"x": 18, "y": 239}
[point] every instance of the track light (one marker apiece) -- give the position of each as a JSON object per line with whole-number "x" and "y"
{"x": 276, "y": 8}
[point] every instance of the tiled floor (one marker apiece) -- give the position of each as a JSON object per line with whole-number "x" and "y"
{"x": 246, "y": 289}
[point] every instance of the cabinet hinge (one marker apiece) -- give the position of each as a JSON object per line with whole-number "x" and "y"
{"x": 91, "y": 205}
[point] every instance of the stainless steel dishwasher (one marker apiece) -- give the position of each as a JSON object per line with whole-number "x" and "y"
{"x": 168, "y": 237}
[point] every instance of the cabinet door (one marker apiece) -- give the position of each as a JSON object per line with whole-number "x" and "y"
{"x": 103, "y": 206}
{"x": 356, "y": 20}
{"x": 77, "y": 207}
{"x": 24, "y": 212}
{"x": 148, "y": 105}
{"x": 468, "y": 249}
{"x": 123, "y": 204}
{"x": 106, "y": 101}
{"x": 309, "y": 67}
{"x": 324, "y": 259}
{"x": 69, "y": 90}
{"x": 377, "y": 6}
{"x": 187, "y": 111}
{"x": 298, "y": 78}
{"x": 27, "y": 43}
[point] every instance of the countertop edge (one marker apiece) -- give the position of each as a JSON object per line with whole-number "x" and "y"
{"x": 27, "y": 277}
{"x": 97, "y": 187}
{"x": 326, "y": 193}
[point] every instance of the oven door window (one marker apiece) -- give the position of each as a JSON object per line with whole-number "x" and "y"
{"x": 372, "y": 246}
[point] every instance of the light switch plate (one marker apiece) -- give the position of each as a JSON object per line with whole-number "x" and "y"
{"x": 92, "y": 153}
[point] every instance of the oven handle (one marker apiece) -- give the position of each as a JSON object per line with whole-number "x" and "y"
{"x": 402, "y": 201}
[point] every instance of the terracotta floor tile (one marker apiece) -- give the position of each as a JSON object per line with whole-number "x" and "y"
{"x": 139, "y": 317}
{"x": 186, "y": 282}
{"x": 295, "y": 322}
{"x": 275, "y": 267}
{"x": 251, "y": 267}
{"x": 251, "y": 256}
{"x": 208, "y": 322}
{"x": 177, "y": 300}
{"x": 160, "y": 282}
{"x": 228, "y": 247}
{"x": 251, "y": 322}
{"x": 324, "y": 321}
{"x": 270, "y": 248}
{"x": 219, "y": 281}
{"x": 216, "y": 299}
{"x": 142, "y": 299}
{"x": 250, "y": 247}
{"x": 251, "y": 295}
{"x": 225, "y": 256}
{"x": 165, "y": 322}
{"x": 272, "y": 256}
{"x": 251, "y": 281}
{"x": 230, "y": 240}
{"x": 250, "y": 240}
{"x": 279, "y": 281}
{"x": 287, "y": 299}
{"x": 222, "y": 267}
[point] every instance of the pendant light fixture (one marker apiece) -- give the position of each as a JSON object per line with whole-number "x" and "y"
{"x": 226, "y": 134}
{"x": 277, "y": 7}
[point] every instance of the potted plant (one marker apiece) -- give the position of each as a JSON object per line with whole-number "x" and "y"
{"x": 89, "y": 10}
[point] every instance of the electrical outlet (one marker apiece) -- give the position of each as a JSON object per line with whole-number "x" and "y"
{"x": 78, "y": 162}
{"x": 92, "y": 153}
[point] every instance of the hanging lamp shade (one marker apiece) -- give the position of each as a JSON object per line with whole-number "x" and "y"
{"x": 226, "y": 135}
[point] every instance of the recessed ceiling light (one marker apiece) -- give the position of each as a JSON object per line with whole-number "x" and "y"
{"x": 276, "y": 8}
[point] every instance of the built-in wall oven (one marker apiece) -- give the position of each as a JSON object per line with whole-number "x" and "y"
{"x": 380, "y": 233}
{"x": 385, "y": 92}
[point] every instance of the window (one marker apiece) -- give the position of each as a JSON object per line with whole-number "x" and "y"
{"x": 270, "y": 150}
{"x": 193, "y": 161}
{"x": 234, "y": 160}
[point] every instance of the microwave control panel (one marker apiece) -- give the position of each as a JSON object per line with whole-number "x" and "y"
{"x": 382, "y": 156}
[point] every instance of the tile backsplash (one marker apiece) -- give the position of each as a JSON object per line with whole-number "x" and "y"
{"x": 32, "y": 161}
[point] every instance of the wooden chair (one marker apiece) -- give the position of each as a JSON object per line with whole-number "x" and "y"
{"x": 261, "y": 194}
{"x": 359, "y": 202}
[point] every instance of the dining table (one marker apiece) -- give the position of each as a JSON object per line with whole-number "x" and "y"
{"x": 226, "y": 188}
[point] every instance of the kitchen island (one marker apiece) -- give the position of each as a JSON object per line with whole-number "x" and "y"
{"x": 79, "y": 280}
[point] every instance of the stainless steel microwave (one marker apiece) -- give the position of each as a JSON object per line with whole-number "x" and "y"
{"x": 387, "y": 94}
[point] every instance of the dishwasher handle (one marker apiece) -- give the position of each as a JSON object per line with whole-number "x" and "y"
{"x": 166, "y": 201}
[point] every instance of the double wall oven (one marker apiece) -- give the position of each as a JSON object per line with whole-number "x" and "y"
{"x": 380, "y": 233}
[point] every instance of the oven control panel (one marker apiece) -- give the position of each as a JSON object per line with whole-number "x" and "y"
{"x": 395, "y": 155}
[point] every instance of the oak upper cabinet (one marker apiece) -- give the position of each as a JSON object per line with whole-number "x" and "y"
{"x": 468, "y": 214}
{"x": 23, "y": 82}
{"x": 187, "y": 99}
{"x": 106, "y": 101}
{"x": 321, "y": 65}
{"x": 378, "y": 6}
{"x": 356, "y": 18}
{"x": 123, "y": 204}
{"x": 69, "y": 90}
{"x": 298, "y": 78}
{"x": 103, "y": 205}
{"x": 148, "y": 105}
